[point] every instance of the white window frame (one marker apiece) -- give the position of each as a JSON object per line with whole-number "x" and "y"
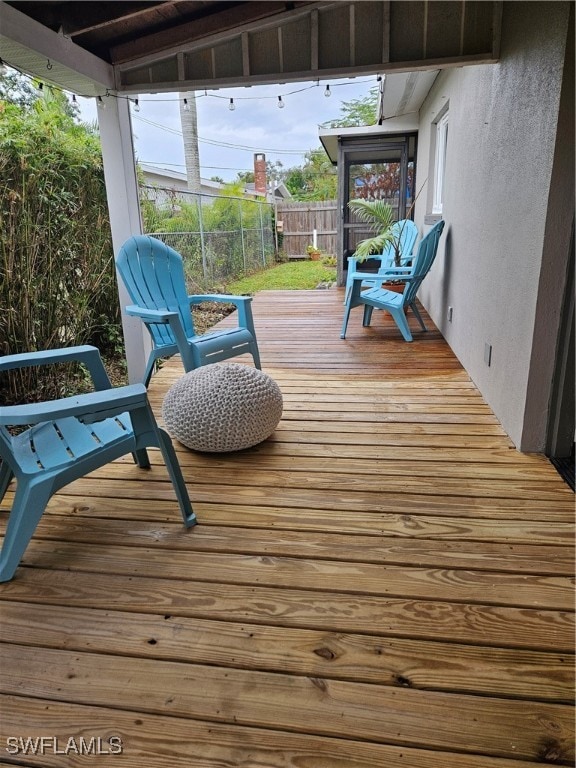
{"x": 440, "y": 163}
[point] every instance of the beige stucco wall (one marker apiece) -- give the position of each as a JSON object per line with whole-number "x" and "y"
{"x": 501, "y": 142}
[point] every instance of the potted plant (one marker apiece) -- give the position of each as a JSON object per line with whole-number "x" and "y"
{"x": 313, "y": 252}
{"x": 387, "y": 238}
{"x": 381, "y": 217}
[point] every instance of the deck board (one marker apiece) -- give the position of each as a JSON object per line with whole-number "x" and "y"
{"x": 384, "y": 582}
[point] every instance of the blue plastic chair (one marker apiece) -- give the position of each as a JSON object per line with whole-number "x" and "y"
{"x": 67, "y": 438}
{"x": 153, "y": 274}
{"x": 405, "y": 233}
{"x": 396, "y": 303}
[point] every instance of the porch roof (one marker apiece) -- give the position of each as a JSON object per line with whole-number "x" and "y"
{"x": 146, "y": 47}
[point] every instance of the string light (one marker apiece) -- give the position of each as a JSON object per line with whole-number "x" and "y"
{"x": 74, "y": 99}
{"x": 186, "y": 106}
{"x": 231, "y": 105}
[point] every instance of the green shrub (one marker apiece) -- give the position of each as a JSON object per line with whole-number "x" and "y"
{"x": 57, "y": 276}
{"x": 219, "y": 237}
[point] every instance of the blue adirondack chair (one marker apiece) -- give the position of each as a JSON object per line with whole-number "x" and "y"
{"x": 153, "y": 274}
{"x": 67, "y": 438}
{"x": 396, "y": 303}
{"x": 405, "y": 233}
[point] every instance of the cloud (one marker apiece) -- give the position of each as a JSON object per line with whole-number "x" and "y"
{"x": 255, "y": 125}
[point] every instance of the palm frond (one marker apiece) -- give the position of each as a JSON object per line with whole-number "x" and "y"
{"x": 375, "y": 212}
{"x": 373, "y": 245}
{"x": 381, "y": 216}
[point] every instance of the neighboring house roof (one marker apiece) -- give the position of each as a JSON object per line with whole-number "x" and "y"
{"x": 279, "y": 191}
{"x": 166, "y": 177}
{"x": 164, "y": 173}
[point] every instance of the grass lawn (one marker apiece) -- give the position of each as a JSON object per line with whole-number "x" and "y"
{"x": 293, "y": 275}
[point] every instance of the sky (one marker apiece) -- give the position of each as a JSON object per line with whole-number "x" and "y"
{"x": 228, "y": 139}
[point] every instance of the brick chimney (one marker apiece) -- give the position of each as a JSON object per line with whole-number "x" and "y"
{"x": 260, "y": 174}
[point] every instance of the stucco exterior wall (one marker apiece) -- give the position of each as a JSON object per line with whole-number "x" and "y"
{"x": 501, "y": 142}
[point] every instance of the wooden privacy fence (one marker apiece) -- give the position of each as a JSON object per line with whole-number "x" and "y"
{"x": 299, "y": 220}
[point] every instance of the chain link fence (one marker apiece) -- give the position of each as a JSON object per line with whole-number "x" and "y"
{"x": 220, "y": 238}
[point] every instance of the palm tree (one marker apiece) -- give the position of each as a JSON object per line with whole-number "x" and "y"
{"x": 381, "y": 216}
{"x": 189, "y": 120}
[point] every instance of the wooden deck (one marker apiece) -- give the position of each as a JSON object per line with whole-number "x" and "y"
{"x": 385, "y": 583}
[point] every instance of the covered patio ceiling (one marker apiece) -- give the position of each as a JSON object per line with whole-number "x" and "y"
{"x": 145, "y": 47}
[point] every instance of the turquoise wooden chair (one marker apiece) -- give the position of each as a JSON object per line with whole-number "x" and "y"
{"x": 405, "y": 233}
{"x": 67, "y": 438}
{"x": 396, "y": 303}
{"x": 153, "y": 274}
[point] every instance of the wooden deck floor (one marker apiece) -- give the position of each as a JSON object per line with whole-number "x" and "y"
{"x": 384, "y": 583}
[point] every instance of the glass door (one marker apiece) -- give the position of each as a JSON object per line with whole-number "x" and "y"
{"x": 381, "y": 171}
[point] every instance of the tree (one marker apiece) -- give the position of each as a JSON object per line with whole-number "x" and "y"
{"x": 245, "y": 177}
{"x": 356, "y": 112}
{"x": 189, "y": 121}
{"x": 16, "y": 89}
{"x": 315, "y": 180}
{"x": 275, "y": 172}
{"x": 23, "y": 92}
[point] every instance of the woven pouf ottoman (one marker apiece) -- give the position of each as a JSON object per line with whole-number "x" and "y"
{"x": 222, "y": 407}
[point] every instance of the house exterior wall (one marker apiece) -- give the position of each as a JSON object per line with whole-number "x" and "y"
{"x": 502, "y": 134}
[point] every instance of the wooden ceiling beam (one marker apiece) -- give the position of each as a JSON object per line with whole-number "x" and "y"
{"x": 192, "y": 31}
{"x": 137, "y": 10}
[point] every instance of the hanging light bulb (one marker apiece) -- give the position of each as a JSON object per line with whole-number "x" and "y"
{"x": 101, "y": 102}
{"x": 40, "y": 86}
{"x": 136, "y": 105}
{"x": 231, "y": 106}
{"x": 186, "y": 106}
{"x": 281, "y": 104}
{"x": 327, "y": 92}
{"x": 74, "y": 99}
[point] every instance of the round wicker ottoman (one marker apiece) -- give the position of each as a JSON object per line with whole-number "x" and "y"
{"x": 222, "y": 407}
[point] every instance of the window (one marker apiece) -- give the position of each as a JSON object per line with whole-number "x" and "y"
{"x": 440, "y": 163}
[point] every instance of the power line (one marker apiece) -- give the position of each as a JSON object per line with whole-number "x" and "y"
{"x": 225, "y": 144}
{"x": 320, "y": 174}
